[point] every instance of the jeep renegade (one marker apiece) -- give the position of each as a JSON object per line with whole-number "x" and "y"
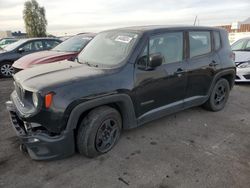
{"x": 121, "y": 80}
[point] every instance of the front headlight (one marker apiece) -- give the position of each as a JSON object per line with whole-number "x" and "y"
{"x": 35, "y": 99}
{"x": 244, "y": 65}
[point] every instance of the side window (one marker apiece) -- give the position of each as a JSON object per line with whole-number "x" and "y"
{"x": 27, "y": 47}
{"x": 239, "y": 45}
{"x": 217, "y": 43}
{"x": 199, "y": 43}
{"x": 37, "y": 45}
{"x": 169, "y": 45}
{"x": 48, "y": 44}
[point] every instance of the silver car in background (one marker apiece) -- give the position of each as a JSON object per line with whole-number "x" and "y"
{"x": 241, "y": 48}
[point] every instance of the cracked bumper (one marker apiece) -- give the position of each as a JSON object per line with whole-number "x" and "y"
{"x": 41, "y": 146}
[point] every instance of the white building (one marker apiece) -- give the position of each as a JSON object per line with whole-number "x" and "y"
{"x": 4, "y": 34}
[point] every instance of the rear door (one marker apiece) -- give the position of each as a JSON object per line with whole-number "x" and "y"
{"x": 203, "y": 63}
{"x": 163, "y": 87}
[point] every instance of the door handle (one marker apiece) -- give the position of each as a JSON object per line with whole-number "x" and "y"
{"x": 213, "y": 64}
{"x": 179, "y": 72}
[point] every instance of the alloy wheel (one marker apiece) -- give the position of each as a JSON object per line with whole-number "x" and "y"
{"x": 7, "y": 70}
{"x": 107, "y": 135}
{"x": 220, "y": 95}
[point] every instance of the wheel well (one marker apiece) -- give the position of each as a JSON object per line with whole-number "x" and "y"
{"x": 230, "y": 78}
{"x": 6, "y": 61}
{"x": 112, "y": 105}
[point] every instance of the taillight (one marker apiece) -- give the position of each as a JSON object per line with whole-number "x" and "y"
{"x": 48, "y": 100}
{"x": 232, "y": 56}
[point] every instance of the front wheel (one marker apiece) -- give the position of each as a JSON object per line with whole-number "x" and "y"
{"x": 6, "y": 70}
{"x": 219, "y": 96}
{"x": 99, "y": 131}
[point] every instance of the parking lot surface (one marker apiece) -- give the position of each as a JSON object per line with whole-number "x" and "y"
{"x": 192, "y": 148}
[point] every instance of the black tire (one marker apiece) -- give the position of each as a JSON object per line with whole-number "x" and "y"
{"x": 219, "y": 96}
{"x": 101, "y": 126}
{"x": 6, "y": 70}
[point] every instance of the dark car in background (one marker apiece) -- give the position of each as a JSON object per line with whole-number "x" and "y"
{"x": 6, "y": 41}
{"x": 68, "y": 49}
{"x": 21, "y": 48}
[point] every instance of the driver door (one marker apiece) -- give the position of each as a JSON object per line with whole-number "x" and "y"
{"x": 161, "y": 91}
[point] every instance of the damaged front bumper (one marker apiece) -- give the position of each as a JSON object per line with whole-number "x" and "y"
{"x": 40, "y": 145}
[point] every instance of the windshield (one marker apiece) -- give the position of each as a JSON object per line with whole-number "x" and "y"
{"x": 14, "y": 45}
{"x": 2, "y": 42}
{"x": 7, "y": 41}
{"x": 108, "y": 48}
{"x": 73, "y": 44}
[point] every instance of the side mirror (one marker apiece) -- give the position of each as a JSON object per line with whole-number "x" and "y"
{"x": 20, "y": 50}
{"x": 155, "y": 60}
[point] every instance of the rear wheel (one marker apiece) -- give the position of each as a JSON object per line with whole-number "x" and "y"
{"x": 99, "y": 131}
{"x": 6, "y": 69}
{"x": 219, "y": 96}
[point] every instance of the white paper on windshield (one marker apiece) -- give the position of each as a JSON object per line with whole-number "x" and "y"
{"x": 125, "y": 39}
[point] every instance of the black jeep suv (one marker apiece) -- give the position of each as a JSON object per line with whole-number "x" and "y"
{"x": 121, "y": 80}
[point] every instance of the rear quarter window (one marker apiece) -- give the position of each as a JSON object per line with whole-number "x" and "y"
{"x": 217, "y": 40}
{"x": 199, "y": 43}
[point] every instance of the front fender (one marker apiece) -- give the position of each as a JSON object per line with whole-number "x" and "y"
{"x": 123, "y": 101}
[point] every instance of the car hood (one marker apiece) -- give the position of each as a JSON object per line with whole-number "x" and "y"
{"x": 50, "y": 76}
{"x": 42, "y": 57}
{"x": 241, "y": 56}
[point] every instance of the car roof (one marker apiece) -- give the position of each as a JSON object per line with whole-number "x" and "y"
{"x": 244, "y": 38}
{"x": 155, "y": 28}
{"x": 43, "y": 38}
{"x": 87, "y": 34}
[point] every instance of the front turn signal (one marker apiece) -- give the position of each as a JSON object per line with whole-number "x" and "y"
{"x": 48, "y": 100}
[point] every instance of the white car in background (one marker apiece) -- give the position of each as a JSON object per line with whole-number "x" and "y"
{"x": 241, "y": 48}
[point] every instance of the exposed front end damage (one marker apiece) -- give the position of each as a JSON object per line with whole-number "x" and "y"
{"x": 40, "y": 143}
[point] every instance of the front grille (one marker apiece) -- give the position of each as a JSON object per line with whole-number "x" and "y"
{"x": 237, "y": 77}
{"x": 247, "y": 76}
{"x": 20, "y": 92}
{"x": 239, "y": 63}
{"x": 17, "y": 123}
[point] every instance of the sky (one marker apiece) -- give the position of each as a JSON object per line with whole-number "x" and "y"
{"x": 68, "y": 17}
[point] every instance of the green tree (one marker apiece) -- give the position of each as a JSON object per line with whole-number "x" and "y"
{"x": 34, "y": 19}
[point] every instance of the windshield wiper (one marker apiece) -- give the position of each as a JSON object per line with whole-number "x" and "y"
{"x": 90, "y": 64}
{"x": 85, "y": 62}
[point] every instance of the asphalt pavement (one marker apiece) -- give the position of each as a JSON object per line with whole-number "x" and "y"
{"x": 189, "y": 149}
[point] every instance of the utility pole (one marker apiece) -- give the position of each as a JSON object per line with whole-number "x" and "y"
{"x": 195, "y": 20}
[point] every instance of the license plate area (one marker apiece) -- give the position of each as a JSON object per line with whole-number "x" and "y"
{"x": 17, "y": 124}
